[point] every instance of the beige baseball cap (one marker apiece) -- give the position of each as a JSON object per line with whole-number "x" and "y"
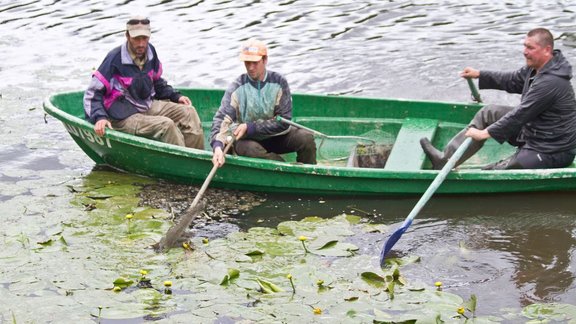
{"x": 138, "y": 26}
{"x": 252, "y": 50}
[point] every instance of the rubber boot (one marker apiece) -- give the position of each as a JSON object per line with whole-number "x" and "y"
{"x": 433, "y": 154}
{"x": 439, "y": 159}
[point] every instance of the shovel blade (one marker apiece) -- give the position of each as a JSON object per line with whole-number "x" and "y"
{"x": 392, "y": 240}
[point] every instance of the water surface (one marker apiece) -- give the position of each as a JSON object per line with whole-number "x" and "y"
{"x": 509, "y": 250}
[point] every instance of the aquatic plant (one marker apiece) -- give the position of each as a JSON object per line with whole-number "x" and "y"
{"x": 128, "y": 219}
{"x": 244, "y": 274}
{"x": 303, "y": 239}
{"x": 289, "y": 276}
{"x": 168, "y": 287}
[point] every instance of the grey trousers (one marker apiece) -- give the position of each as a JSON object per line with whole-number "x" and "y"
{"x": 485, "y": 117}
{"x": 166, "y": 121}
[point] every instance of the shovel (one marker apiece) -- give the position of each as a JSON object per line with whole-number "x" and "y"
{"x": 175, "y": 232}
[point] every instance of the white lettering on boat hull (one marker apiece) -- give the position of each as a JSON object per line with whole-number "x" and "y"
{"x": 88, "y": 135}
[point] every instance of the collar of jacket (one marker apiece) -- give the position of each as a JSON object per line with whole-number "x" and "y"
{"x": 127, "y": 59}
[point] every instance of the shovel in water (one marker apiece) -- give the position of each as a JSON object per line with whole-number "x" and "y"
{"x": 424, "y": 199}
{"x": 175, "y": 232}
{"x": 431, "y": 189}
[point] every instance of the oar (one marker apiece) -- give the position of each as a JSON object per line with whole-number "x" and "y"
{"x": 174, "y": 233}
{"x": 475, "y": 93}
{"x": 424, "y": 199}
{"x": 317, "y": 133}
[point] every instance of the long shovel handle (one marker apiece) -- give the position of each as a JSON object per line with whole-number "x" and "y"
{"x": 440, "y": 178}
{"x": 291, "y": 123}
{"x": 475, "y": 93}
{"x": 208, "y": 179}
{"x": 317, "y": 133}
{"x": 176, "y": 230}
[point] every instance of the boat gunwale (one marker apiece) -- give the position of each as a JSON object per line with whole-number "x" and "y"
{"x": 320, "y": 170}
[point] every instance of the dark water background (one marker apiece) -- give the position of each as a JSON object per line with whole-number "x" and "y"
{"x": 522, "y": 247}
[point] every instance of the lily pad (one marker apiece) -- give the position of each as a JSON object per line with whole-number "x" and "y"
{"x": 550, "y": 312}
{"x": 123, "y": 282}
{"x": 231, "y": 275}
{"x": 268, "y": 287}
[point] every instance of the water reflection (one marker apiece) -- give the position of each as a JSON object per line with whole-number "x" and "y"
{"x": 524, "y": 240}
{"x": 542, "y": 258}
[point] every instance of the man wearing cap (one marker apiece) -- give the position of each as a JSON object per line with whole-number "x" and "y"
{"x": 542, "y": 126}
{"x": 248, "y": 110}
{"x": 127, "y": 93}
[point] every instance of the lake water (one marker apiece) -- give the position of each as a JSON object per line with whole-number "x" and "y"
{"x": 522, "y": 248}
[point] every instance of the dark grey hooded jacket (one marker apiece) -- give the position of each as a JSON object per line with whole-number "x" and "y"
{"x": 545, "y": 120}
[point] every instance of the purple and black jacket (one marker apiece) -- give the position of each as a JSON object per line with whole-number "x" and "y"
{"x": 120, "y": 89}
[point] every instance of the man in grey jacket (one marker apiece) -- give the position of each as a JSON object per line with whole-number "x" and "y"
{"x": 542, "y": 126}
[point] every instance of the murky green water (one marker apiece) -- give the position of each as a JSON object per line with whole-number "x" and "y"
{"x": 65, "y": 238}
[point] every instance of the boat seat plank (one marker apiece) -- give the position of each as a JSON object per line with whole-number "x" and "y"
{"x": 406, "y": 154}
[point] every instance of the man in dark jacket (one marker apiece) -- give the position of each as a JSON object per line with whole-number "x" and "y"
{"x": 128, "y": 94}
{"x": 542, "y": 126}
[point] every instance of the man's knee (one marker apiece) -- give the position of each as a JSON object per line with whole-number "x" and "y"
{"x": 166, "y": 123}
{"x": 488, "y": 115}
{"x": 254, "y": 149}
{"x": 307, "y": 147}
{"x": 190, "y": 119}
{"x": 248, "y": 148}
{"x": 304, "y": 139}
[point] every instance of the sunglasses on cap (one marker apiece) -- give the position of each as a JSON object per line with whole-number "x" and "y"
{"x": 145, "y": 21}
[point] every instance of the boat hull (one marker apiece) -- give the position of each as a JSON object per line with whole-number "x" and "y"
{"x": 191, "y": 166}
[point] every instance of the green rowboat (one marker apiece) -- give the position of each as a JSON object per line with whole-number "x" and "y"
{"x": 390, "y": 123}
